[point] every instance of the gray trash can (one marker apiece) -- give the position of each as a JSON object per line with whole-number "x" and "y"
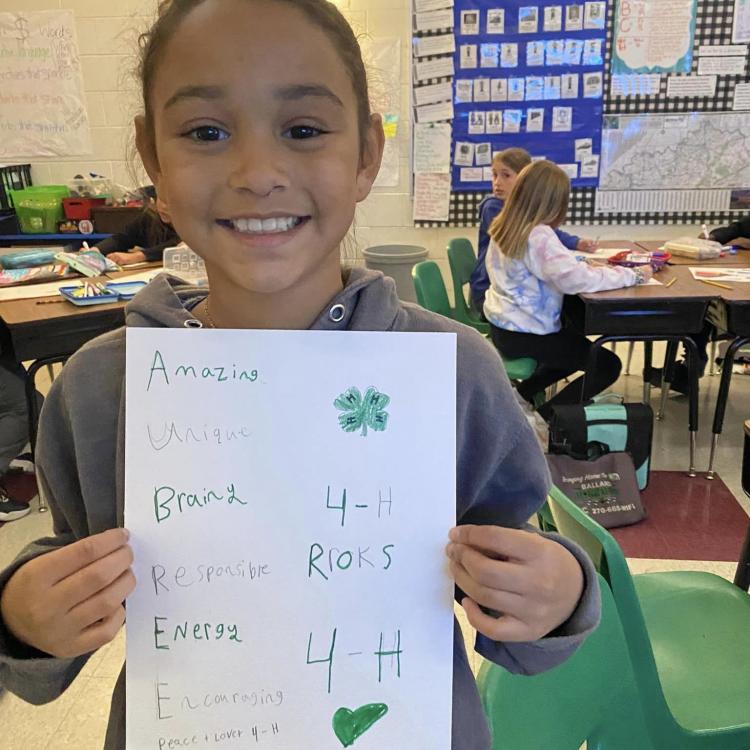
{"x": 396, "y": 261}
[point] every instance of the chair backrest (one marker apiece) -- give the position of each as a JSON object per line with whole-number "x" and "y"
{"x": 430, "y": 288}
{"x": 610, "y": 562}
{"x": 592, "y": 696}
{"x": 462, "y": 259}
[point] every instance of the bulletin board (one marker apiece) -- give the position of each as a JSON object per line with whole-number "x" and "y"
{"x": 682, "y": 116}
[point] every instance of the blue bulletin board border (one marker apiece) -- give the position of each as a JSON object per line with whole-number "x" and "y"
{"x": 585, "y": 112}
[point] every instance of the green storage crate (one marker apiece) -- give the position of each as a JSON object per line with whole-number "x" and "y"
{"x": 39, "y": 209}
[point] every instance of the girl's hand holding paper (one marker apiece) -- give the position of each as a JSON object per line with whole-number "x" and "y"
{"x": 533, "y": 581}
{"x": 69, "y": 602}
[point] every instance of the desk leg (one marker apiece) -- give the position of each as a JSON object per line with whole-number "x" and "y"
{"x": 691, "y": 350}
{"x": 722, "y": 398}
{"x": 742, "y": 573}
{"x": 648, "y": 361}
{"x": 667, "y": 373}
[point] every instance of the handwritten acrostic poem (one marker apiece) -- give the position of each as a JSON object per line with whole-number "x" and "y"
{"x": 288, "y": 533}
{"x": 220, "y": 373}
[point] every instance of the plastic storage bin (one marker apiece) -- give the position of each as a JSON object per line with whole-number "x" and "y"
{"x": 39, "y": 208}
{"x": 77, "y": 209}
{"x": 396, "y": 261}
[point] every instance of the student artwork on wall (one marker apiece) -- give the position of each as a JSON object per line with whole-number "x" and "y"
{"x": 528, "y": 75}
{"x": 654, "y": 37}
{"x": 696, "y": 107}
{"x": 42, "y": 104}
{"x": 289, "y": 531}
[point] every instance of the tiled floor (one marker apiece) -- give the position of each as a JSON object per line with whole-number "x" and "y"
{"x": 78, "y": 718}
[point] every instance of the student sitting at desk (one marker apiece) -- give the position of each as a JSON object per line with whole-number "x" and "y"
{"x": 144, "y": 239}
{"x": 737, "y": 234}
{"x": 505, "y": 168}
{"x": 530, "y": 270}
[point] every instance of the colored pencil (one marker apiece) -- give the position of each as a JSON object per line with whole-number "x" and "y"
{"x": 670, "y": 282}
{"x": 716, "y": 283}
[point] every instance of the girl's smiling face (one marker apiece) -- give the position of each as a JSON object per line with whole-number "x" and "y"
{"x": 255, "y": 146}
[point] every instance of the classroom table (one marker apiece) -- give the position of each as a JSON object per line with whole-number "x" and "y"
{"x": 651, "y": 313}
{"x": 48, "y": 330}
{"x": 672, "y": 313}
{"x": 731, "y": 315}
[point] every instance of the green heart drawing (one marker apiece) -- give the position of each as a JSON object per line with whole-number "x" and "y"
{"x": 348, "y": 724}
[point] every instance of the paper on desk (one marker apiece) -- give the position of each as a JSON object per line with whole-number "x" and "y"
{"x": 50, "y": 289}
{"x": 720, "y": 273}
{"x": 288, "y": 537}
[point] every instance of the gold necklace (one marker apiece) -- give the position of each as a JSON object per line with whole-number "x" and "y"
{"x": 210, "y": 320}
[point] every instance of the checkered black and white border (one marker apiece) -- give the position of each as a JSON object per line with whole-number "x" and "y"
{"x": 713, "y": 27}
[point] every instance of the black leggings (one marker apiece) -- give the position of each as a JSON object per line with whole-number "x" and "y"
{"x": 558, "y": 355}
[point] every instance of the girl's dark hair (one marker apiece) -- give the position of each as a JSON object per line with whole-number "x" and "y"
{"x": 320, "y": 12}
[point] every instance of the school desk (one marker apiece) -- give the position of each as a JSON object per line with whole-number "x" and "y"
{"x": 46, "y": 330}
{"x": 732, "y": 316}
{"x": 652, "y": 313}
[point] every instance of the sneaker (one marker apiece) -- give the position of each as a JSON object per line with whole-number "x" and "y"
{"x": 10, "y": 509}
{"x": 24, "y": 462}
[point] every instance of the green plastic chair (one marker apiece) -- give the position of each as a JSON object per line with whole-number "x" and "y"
{"x": 430, "y": 288}
{"x": 432, "y": 295}
{"x": 462, "y": 259}
{"x": 592, "y": 697}
{"x": 688, "y": 634}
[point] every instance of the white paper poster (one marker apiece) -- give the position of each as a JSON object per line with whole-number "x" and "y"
{"x": 691, "y": 86}
{"x": 432, "y": 148}
{"x": 383, "y": 54}
{"x": 432, "y": 194}
{"x": 723, "y": 66}
{"x": 635, "y": 84}
{"x": 434, "y": 19}
{"x": 654, "y": 36}
{"x": 441, "y": 68}
{"x": 442, "y": 44}
{"x": 289, "y": 529}
{"x": 741, "y": 30}
{"x": 742, "y": 96}
{"x": 42, "y": 103}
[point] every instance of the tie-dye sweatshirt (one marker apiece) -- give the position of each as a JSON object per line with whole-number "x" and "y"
{"x": 526, "y": 295}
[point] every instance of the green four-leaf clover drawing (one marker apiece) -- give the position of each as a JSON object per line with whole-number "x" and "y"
{"x": 362, "y": 412}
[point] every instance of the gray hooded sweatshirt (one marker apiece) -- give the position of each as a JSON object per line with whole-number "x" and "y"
{"x": 501, "y": 477}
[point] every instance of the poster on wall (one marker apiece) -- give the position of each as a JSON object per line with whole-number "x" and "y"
{"x": 383, "y": 60}
{"x": 741, "y": 29}
{"x": 528, "y": 76}
{"x": 288, "y": 529}
{"x": 654, "y": 36}
{"x": 42, "y": 103}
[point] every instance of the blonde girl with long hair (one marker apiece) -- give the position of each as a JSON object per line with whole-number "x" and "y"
{"x": 530, "y": 271}
{"x": 506, "y": 166}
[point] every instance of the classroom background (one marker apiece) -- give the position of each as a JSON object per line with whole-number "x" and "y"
{"x": 714, "y": 515}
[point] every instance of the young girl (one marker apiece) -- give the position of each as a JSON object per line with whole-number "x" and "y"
{"x": 530, "y": 270}
{"x": 144, "y": 239}
{"x": 258, "y": 135}
{"x": 506, "y": 165}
